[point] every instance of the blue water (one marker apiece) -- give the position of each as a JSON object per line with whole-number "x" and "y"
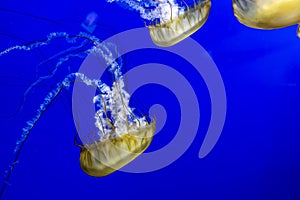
{"x": 258, "y": 153}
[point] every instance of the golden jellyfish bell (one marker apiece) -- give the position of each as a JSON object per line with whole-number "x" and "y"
{"x": 267, "y": 14}
{"x": 104, "y": 157}
{"x": 171, "y": 31}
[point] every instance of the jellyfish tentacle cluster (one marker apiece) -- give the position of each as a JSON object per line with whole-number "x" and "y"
{"x": 123, "y": 135}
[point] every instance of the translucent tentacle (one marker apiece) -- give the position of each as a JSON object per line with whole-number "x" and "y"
{"x": 151, "y": 10}
{"x": 64, "y": 52}
{"x": 50, "y": 37}
{"x": 27, "y": 130}
{"x": 48, "y": 100}
{"x": 145, "y": 8}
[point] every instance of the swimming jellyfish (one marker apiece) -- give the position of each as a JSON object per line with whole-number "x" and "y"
{"x": 170, "y": 22}
{"x": 122, "y": 134}
{"x": 267, "y": 14}
{"x": 90, "y": 22}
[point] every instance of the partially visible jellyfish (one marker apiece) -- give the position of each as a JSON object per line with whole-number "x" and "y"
{"x": 122, "y": 134}
{"x": 89, "y": 24}
{"x": 267, "y": 14}
{"x": 170, "y": 22}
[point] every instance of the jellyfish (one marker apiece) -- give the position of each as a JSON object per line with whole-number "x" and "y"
{"x": 89, "y": 23}
{"x": 121, "y": 134}
{"x": 170, "y": 22}
{"x": 267, "y": 14}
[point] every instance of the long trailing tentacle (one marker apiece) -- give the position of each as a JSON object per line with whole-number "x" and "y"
{"x": 27, "y": 130}
{"x": 77, "y": 51}
{"x": 48, "y": 100}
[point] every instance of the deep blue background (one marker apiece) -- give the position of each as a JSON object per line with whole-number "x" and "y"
{"x": 257, "y": 156}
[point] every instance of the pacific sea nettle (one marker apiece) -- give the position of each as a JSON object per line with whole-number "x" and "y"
{"x": 267, "y": 14}
{"x": 171, "y": 21}
{"x": 119, "y": 134}
{"x": 179, "y": 24}
{"x": 122, "y": 134}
